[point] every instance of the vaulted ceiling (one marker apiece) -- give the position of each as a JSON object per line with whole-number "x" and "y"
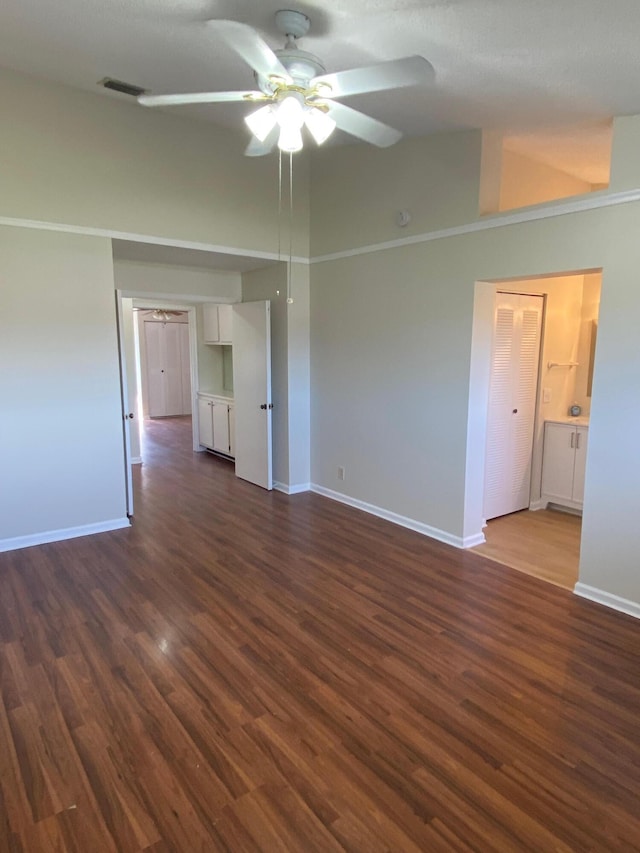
{"x": 521, "y": 66}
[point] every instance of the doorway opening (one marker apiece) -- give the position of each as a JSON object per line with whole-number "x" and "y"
{"x": 543, "y": 466}
{"x": 159, "y": 369}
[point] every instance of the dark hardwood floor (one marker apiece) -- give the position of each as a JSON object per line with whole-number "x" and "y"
{"x": 246, "y": 671}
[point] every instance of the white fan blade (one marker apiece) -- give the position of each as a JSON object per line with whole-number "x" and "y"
{"x": 362, "y": 126}
{"x": 258, "y": 149}
{"x": 197, "y": 98}
{"x": 247, "y": 43}
{"x": 410, "y": 71}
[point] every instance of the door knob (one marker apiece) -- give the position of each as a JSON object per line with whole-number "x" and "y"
{"x": 515, "y": 412}
{"x": 263, "y": 406}
{"x": 131, "y": 415}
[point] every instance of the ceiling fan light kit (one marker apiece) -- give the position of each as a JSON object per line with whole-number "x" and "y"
{"x": 295, "y": 91}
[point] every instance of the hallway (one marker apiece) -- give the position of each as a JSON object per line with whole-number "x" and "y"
{"x": 246, "y": 671}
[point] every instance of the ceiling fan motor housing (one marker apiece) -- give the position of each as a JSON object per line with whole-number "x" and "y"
{"x": 302, "y": 68}
{"x": 301, "y": 65}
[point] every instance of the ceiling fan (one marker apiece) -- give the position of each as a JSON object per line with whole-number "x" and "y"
{"x": 295, "y": 91}
{"x": 163, "y": 314}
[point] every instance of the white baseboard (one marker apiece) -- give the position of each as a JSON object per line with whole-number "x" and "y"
{"x": 402, "y": 520}
{"x": 46, "y": 536}
{"x": 534, "y": 506}
{"x": 472, "y": 541}
{"x": 296, "y": 489}
{"x": 136, "y": 460}
{"x": 624, "y": 605}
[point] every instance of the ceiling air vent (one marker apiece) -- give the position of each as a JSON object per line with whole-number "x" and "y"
{"x": 121, "y": 86}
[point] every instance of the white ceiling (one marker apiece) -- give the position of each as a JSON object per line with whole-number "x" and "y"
{"x": 516, "y": 65}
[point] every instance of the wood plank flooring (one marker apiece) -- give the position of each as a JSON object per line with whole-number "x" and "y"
{"x": 545, "y": 544}
{"x": 245, "y": 671}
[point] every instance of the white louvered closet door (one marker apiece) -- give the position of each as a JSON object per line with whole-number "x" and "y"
{"x": 168, "y": 368}
{"x": 512, "y": 403}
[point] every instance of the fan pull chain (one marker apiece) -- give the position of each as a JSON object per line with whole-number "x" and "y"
{"x": 279, "y": 202}
{"x": 289, "y": 297}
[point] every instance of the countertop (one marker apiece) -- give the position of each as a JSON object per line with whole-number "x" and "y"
{"x": 581, "y": 421}
{"x": 222, "y": 395}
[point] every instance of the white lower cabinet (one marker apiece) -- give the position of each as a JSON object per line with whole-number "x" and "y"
{"x": 563, "y": 463}
{"x": 216, "y": 419}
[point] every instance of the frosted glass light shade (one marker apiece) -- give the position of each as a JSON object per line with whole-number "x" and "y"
{"x": 290, "y": 111}
{"x": 290, "y": 139}
{"x": 262, "y": 122}
{"x": 319, "y": 124}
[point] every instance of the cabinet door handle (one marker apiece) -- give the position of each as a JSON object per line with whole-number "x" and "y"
{"x": 573, "y": 435}
{"x": 577, "y": 441}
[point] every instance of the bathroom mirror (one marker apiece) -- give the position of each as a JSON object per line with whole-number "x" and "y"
{"x": 592, "y": 355}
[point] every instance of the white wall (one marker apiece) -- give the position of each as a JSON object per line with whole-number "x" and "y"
{"x": 61, "y": 429}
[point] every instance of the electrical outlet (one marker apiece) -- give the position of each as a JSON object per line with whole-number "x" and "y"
{"x": 340, "y": 472}
{"x": 546, "y": 395}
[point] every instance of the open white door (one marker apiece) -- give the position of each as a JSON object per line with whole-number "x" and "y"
{"x": 124, "y": 397}
{"x": 252, "y": 391}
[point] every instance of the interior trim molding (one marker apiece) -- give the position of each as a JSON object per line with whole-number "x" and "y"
{"x": 296, "y": 489}
{"x": 538, "y": 504}
{"x": 136, "y": 460}
{"x": 401, "y": 520}
{"x": 46, "y": 536}
{"x": 592, "y": 201}
{"x": 615, "y": 602}
{"x": 144, "y": 238}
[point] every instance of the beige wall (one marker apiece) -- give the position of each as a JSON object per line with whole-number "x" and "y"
{"x": 625, "y": 164}
{"x": 61, "y": 432}
{"x": 169, "y": 279}
{"x": 391, "y": 330}
{"x": 391, "y": 348}
{"x": 525, "y": 181}
{"x": 73, "y": 157}
{"x": 358, "y": 189}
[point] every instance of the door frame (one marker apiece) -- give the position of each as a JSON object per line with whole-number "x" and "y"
{"x": 485, "y": 292}
{"x": 173, "y": 302}
{"x": 479, "y": 379}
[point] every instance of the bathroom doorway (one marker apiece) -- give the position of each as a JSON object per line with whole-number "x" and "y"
{"x": 544, "y": 538}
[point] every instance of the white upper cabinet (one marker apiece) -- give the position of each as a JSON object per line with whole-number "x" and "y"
{"x": 217, "y": 322}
